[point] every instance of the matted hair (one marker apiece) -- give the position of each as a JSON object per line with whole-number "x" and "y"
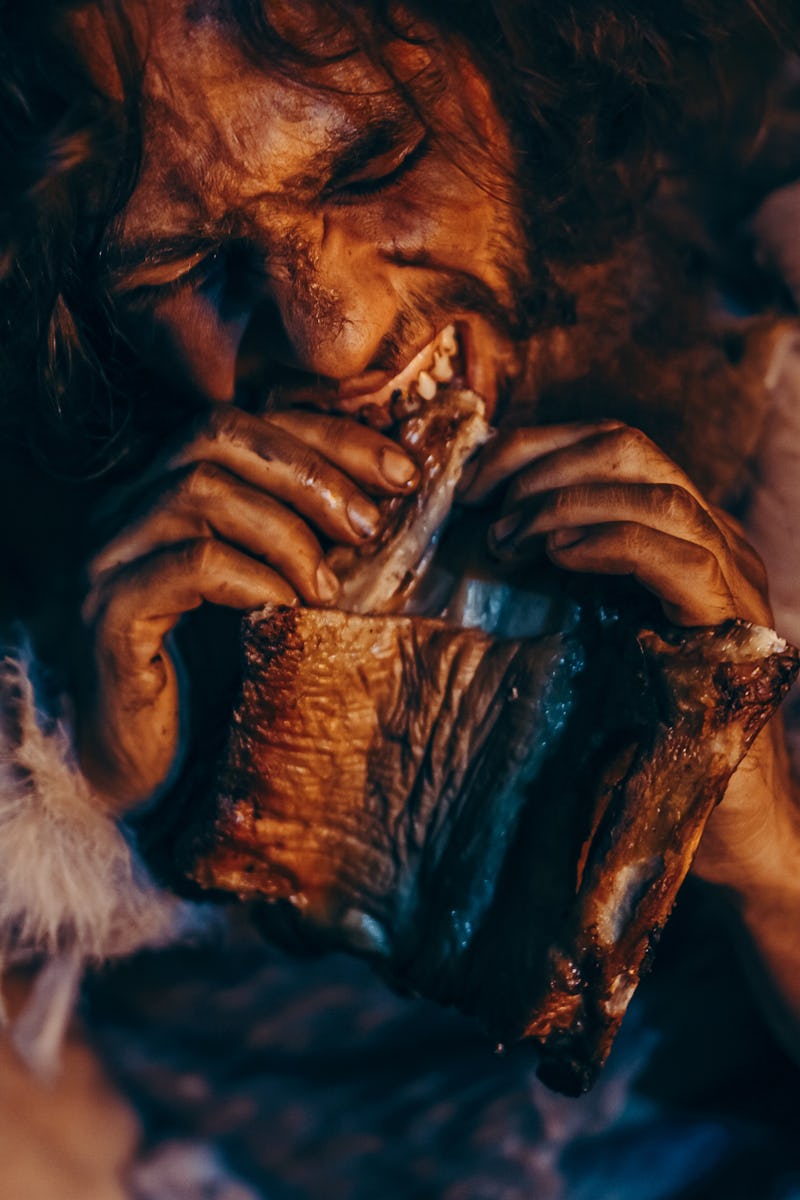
{"x": 596, "y": 92}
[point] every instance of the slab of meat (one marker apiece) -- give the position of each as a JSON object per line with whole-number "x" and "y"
{"x": 498, "y": 824}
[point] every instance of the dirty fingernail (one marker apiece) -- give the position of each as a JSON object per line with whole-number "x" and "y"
{"x": 505, "y": 528}
{"x": 327, "y": 583}
{"x": 398, "y": 468}
{"x": 363, "y": 516}
{"x": 561, "y": 539}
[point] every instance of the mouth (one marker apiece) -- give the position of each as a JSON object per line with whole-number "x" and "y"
{"x": 438, "y": 364}
{"x": 447, "y": 360}
{"x": 465, "y": 354}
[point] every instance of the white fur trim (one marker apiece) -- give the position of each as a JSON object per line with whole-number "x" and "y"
{"x": 72, "y": 889}
{"x": 68, "y": 876}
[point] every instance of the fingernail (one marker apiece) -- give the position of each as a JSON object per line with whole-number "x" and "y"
{"x": 561, "y": 539}
{"x": 398, "y": 469}
{"x": 327, "y": 583}
{"x": 505, "y": 528}
{"x": 363, "y": 516}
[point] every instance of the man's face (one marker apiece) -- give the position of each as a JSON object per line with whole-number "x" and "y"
{"x": 303, "y": 227}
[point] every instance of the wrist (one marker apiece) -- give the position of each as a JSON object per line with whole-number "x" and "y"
{"x": 756, "y": 854}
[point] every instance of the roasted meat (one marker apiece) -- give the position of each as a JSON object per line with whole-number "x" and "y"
{"x": 501, "y": 825}
{"x": 498, "y": 821}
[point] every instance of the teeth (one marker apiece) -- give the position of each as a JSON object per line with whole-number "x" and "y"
{"x": 448, "y": 343}
{"x": 442, "y": 369}
{"x": 426, "y": 385}
{"x": 406, "y": 401}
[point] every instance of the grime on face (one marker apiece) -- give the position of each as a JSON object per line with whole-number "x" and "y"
{"x": 322, "y": 233}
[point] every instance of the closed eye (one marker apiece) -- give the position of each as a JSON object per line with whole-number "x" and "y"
{"x": 230, "y": 269}
{"x": 144, "y": 294}
{"x": 379, "y": 173}
{"x": 153, "y": 276}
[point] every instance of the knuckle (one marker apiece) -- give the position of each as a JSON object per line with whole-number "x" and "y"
{"x": 636, "y": 437}
{"x": 311, "y": 471}
{"x": 627, "y": 439}
{"x": 201, "y": 482}
{"x": 706, "y": 565}
{"x": 202, "y": 556}
{"x": 624, "y": 445}
{"x": 224, "y": 423}
{"x": 675, "y": 504}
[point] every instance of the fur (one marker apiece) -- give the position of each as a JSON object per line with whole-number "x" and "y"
{"x": 72, "y": 889}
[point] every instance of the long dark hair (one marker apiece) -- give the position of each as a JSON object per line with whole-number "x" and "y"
{"x": 599, "y": 93}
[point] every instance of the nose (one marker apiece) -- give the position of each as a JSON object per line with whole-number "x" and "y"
{"x": 330, "y": 302}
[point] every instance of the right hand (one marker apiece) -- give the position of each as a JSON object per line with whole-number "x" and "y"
{"x": 231, "y": 515}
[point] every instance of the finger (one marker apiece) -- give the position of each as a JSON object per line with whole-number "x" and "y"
{"x": 662, "y": 508}
{"x": 139, "y": 604}
{"x": 510, "y": 451}
{"x": 362, "y": 453}
{"x": 611, "y": 455}
{"x": 685, "y": 577}
{"x": 276, "y": 462}
{"x": 206, "y": 501}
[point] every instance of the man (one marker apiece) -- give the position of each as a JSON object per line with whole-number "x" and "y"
{"x": 310, "y": 195}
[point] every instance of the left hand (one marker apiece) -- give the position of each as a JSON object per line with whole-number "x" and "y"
{"x": 605, "y": 499}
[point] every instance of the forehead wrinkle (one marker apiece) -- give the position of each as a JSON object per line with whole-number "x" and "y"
{"x": 208, "y": 161}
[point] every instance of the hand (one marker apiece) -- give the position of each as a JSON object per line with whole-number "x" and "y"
{"x": 231, "y": 515}
{"x": 605, "y": 499}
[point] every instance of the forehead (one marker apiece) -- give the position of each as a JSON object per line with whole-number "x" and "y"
{"x": 224, "y": 125}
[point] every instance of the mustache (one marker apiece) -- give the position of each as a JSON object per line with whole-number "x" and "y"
{"x": 461, "y": 291}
